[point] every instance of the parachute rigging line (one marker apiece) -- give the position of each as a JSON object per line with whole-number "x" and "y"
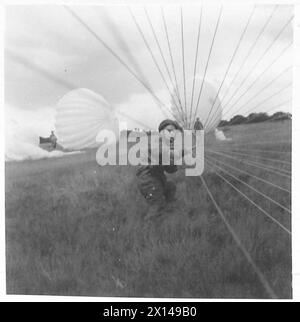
{"x": 38, "y": 69}
{"x": 253, "y": 176}
{"x": 234, "y": 149}
{"x": 263, "y": 158}
{"x": 260, "y": 58}
{"x": 237, "y": 240}
{"x": 159, "y": 103}
{"x": 171, "y": 55}
{"x": 152, "y": 56}
{"x": 263, "y": 101}
{"x": 164, "y": 59}
{"x": 208, "y": 59}
{"x": 183, "y": 64}
{"x": 261, "y": 74}
{"x": 250, "y": 187}
{"x": 283, "y": 172}
{"x": 246, "y": 58}
{"x": 195, "y": 66}
{"x": 250, "y": 51}
{"x": 242, "y": 143}
{"x": 253, "y": 164}
{"x": 253, "y": 203}
{"x": 263, "y": 88}
{"x": 231, "y": 61}
{"x": 48, "y": 75}
{"x": 268, "y": 98}
{"x": 126, "y": 50}
{"x": 268, "y": 110}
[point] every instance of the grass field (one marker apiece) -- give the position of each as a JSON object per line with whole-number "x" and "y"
{"x": 73, "y": 228}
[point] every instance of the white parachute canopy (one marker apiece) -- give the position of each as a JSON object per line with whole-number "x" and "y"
{"x": 209, "y": 108}
{"x": 220, "y": 136}
{"x": 81, "y": 115}
{"x": 22, "y": 130}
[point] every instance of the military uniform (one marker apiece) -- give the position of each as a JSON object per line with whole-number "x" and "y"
{"x": 198, "y": 125}
{"x": 153, "y": 183}
{"x": 53, "y": 140}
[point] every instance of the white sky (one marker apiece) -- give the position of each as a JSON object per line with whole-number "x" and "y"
{"x": 50, "y": 38}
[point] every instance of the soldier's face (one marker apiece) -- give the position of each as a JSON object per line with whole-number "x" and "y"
{"x": 168, "y": 134}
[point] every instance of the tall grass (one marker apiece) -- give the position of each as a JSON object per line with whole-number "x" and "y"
{"x": 74, "y": 228}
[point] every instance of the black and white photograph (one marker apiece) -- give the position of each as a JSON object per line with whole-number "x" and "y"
{"x": 148, "y": 150}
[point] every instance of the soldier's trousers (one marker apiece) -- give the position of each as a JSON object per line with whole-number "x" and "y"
{"x": 157, "y": 192}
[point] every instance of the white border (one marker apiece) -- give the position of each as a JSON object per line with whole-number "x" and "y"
{"x": 296, "y": 158}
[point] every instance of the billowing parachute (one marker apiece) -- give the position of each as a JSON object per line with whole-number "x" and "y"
{"x": 185, "y": 100}
{"x": 220, "y": 136}
{"x": 81, "y": 115}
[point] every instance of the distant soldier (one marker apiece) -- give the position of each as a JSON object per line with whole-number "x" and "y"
{"x": 53, "y": 140}
{"x": 198, "y": 125}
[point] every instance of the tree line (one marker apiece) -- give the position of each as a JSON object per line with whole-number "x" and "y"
{"x": 256, "y": 118}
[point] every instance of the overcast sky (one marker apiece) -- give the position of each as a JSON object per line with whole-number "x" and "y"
{"x": 48, "y": 38}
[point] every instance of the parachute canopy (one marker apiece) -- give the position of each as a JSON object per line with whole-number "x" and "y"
{"x": 220, "y": 136}
{"x": 81, "y": 115}
{"x": 197, "y": 98}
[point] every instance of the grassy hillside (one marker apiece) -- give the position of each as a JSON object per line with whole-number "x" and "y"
{"x": 74, "y": 228}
